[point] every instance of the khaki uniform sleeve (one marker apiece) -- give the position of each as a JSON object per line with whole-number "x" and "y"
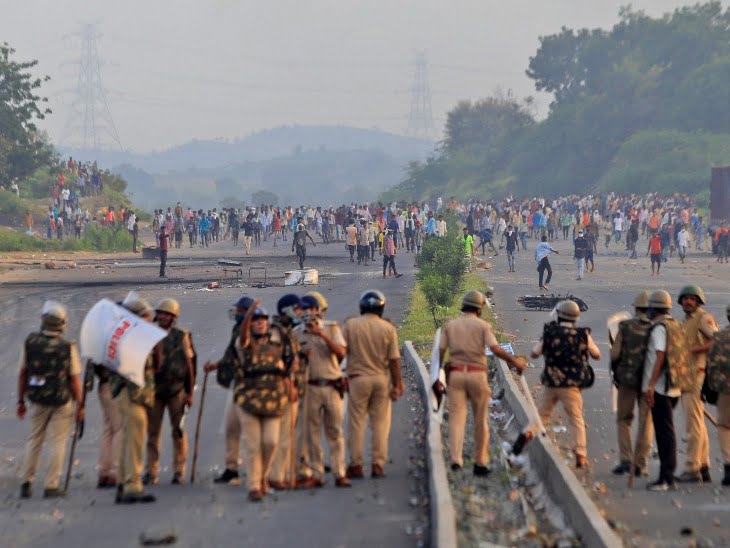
{"x": 708, "y": 326}
{"x": 337, "y": 336}
{"x": 444, "y": 340}
{"x": 489, "y": 338}
{"x": 393, "y": 350}
{"x": 75, "y": 360}
{"x": 188, "y": 347}
{"x": 592, "y": 348}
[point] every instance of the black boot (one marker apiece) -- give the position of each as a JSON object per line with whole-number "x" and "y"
{"x": 726, "y": 479}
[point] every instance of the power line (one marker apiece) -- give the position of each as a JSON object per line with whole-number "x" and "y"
{"x": 420, "y": 117}
{"x": 90, "y": 123}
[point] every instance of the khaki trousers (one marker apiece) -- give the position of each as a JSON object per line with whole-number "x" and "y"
{"x": 175, "y": 410}
{"x": 134, "y": 432}
{"x": 573, "y": 406}
{"x": 626, "y": 402}
{"x": 369, "y": 398}
{"x": 697, "y": 453}
{"x": 233, "y": 437}
{"x": 57, "y": 421}
{"x": 723, "y": 425}
{"x": 247, "y": 243}
{"x": 281, "y": 466}
{"x": 465, "y": 387}
{"x": 322, "y": 402}
{"x": 260, "y": 436}
{"x": 111, "y": 433}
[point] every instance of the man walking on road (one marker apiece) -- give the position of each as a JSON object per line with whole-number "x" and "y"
{"x": 627, "y": 360}
{"x": 164, "y": 246}
{"x": 373, "y": 372}
{"x": 509, "y": 236}
{"x": 50, "y": 375}
{"x": 542, "y": 252}
{"x": 699, "y": 328}
{"x": 655, "y": 250}
{"x": 580, "y": 245}
{"x": 299, "y": 241}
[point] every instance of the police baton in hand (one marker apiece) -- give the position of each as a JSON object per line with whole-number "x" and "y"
{"x": 196, "y": 443}
{"x": 79, "y": 424}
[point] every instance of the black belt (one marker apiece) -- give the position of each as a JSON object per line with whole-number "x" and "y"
{"x": 324, "y": 382}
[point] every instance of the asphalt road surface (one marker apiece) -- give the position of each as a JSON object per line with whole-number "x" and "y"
{"x": 389, "y": 512}
{"x": 642, "y": 517}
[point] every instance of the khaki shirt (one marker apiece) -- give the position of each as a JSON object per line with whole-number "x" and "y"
{"x": 75, "y": 360}
{"x": 323, "y": 363}
{"x": 705, "y": 332}
{"x": 371, "y": 343}
{"x": 466, "y": 339}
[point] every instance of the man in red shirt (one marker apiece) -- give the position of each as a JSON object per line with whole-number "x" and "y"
{"x": 655, "y": 250}
{"x": 164, "y": 246}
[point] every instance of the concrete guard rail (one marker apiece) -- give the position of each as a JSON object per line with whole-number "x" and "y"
{"x": 559, "y": 480}
{"x": 443, "y": 518}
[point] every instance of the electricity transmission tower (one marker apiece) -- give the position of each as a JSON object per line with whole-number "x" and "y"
{"x": 420, "y": 117}
{"x": 90, "y": 123}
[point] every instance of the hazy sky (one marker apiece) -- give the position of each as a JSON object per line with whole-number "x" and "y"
{"x": 175, "y": 70}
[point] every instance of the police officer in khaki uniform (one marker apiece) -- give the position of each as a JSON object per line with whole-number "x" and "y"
{"x": 133, "y": 402}
{"x": 324, "y": 345}
{"x": 699, "y": 327}
{"x": 465, "y": 338}
{"x": 374, "y": 378}
{"x": 718, "y": 372}
{"x": 282, "y": 476}
{"x": 627, "y": 361}
{"x": 174, "y": 382}
{"x": 263, "y": 379}
{"x": 224, "y": 377}
{"x": 110, "y": 440}
{"x": 50, "y": 375}
{"x": 566, "y": 349}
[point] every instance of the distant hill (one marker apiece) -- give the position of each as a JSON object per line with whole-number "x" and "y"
{"x": 321, "y": 176}
{"x": 261, "y": 146}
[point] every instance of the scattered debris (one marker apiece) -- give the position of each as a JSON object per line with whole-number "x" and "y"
{"x": 158, "y": 538}
{"x": 214, "y": 285}
{"x": 548, "y": 302}
{"x": 226, "y": 262}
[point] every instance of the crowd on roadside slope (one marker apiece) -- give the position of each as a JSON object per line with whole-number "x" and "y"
{"x": 67, "y": 216}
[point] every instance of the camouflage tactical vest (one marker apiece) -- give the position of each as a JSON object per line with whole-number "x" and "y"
{"x": 291, "y": 350}
{"x": 634, "y": 340}
{"x": 679, "y": 373}
{"x": 718, "y": 362}
{"x": 565, "y": 349}
{"x": 48, "y": 367}
{"x": 171, "y": 376}
{"x": 141, "y": 395}
{"x": 260, "y": 387}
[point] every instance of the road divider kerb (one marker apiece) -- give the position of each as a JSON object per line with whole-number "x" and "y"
{"x": 443, "y": 517}
{"x": 560, "y": 482}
